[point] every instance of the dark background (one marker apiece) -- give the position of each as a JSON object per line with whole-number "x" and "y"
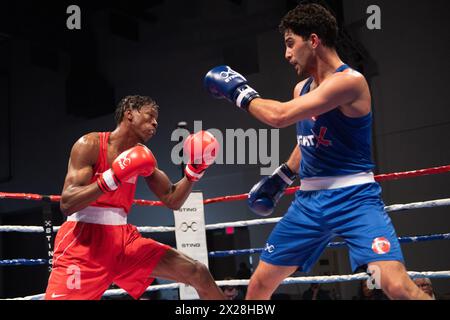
{"x": 58, "y": 84}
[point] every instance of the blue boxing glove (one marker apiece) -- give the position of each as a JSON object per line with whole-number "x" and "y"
{"x": 264, "y": 195}
{"x": 224, "y": 83}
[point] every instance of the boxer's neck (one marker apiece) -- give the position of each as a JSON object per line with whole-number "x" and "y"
{"x": 326, "y": 61}
{"x": 123, "y": 138}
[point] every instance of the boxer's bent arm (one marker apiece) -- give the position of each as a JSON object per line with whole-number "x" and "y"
{"x": 172, "y": 195}
{"x": 78, "y": 192}
{"x": 340, "y": 89}
{"x": 294, "y": 160}
{"x": 296, "y": 156}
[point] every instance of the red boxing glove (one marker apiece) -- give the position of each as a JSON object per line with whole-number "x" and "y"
{"x": 136, "y": 161}
{"x": 202, "y": 149}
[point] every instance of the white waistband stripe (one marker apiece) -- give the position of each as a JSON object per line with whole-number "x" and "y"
{"x": 325, "y": 183}
{"x": 98, "y": 215}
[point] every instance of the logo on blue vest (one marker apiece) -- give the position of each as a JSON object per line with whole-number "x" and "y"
{"x": 315, "y": 139}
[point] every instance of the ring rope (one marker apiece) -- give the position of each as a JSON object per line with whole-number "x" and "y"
{"x": 323, "y": 279}
{"x": 379, "y": 178}
{"x": 391, "y": 208}
{"x": 23, "y": 262}
{"x": 227, "y": 253}
{"x": 291, "y": 280}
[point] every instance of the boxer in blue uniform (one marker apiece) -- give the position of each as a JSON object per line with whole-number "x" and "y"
{"x": 338, "y": 195}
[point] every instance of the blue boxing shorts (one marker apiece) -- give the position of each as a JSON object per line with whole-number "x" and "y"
{"x": 355, "y": 213}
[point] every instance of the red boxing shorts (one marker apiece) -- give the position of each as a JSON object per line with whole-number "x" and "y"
{"x": 96, "y": 248}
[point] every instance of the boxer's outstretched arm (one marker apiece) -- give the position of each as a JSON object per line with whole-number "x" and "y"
{"x": 172, "y": 195}
{"x": 78, "y": 192}
{"x": 339, "y": 89}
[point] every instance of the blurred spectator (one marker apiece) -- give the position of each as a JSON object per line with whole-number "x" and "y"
{"x": 243, "y": 272}
{"x": 425, "y": 285}
{"x": 281, "y": 296}
{"x": 232, "y": 292}
{"x": 335, "y": 294}
{"x": 369, "y": 294}
{"x": 151, "y": 295}
{"x": 315, "y": 293}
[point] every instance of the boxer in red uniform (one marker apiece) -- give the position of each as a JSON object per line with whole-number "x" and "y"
{"x": 96, "y": 247}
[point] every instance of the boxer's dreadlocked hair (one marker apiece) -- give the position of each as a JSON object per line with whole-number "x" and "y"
{"x": 132, "y": 102}
{"x": 311, "y": 18}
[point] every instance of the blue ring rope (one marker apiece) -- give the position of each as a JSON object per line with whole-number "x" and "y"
{"x": 227, "y": 253}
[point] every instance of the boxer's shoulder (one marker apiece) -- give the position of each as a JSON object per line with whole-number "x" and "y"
{"x": 350, "y": 76}
{"x": 88, "y": 146}
{"x": 89, "y": 140}
{"x": 299, "y": 86}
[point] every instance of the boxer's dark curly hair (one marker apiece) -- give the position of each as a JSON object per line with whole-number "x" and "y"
{"x": 132, "y": 102}
{"x": 306, "y": 19}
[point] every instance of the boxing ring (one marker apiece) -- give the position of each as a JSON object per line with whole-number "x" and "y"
{"x": 396, "y": 208}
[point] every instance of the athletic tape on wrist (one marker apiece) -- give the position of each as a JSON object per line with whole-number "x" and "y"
{"x": 109, "y": 179}
{"x": 193, "y": 174}
{"x": 243, "y": 94}
{"x": 283, "y": 176}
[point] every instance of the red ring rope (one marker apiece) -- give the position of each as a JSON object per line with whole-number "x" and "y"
{"x": 379, "y": 178}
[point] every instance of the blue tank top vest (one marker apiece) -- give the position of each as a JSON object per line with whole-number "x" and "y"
{"x": 334, "y": 144}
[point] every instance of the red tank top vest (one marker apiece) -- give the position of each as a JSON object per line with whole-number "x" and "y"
{"x": 124, "y": 195}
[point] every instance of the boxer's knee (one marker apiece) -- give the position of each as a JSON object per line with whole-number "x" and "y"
{"x": 259, "y": 288}
{"x": 396, "y": 289}
{"x": 402, "y": 289}
{"x": 395, "y": 281}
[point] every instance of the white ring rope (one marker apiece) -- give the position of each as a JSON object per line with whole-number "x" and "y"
{"x": 291, "y": 280}
{"x": 391, "y": 208}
